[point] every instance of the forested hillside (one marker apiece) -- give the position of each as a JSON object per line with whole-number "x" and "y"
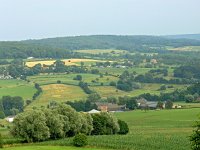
{"x": 60, "y": 47}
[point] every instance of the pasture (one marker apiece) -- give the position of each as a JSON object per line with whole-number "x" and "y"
{"x": 44, "y": 79}
{"x": 106, "y": 91}
{"x": 101, "y": 51}
{"x": 58, "y": 93}
{"x": 35, "y": 147}
{"x": 185, "y": 48}
{"x": 163, "y": 130}
{"x": 17, "y": 88}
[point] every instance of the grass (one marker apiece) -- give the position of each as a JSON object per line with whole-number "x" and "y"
{"x": 106, "y": 91}
{"x": 100, "y": 51}
{"x": 186, "y": 48}
{"x": 68, "y": 62}
{"x": 119, "y": 71}
{"x": 17, "y": 88}
{"x": 58, "y": 93}
{"x": 163, "y": 130}
{"x": 68, "y": 79}
{"x": 34, "y": 147}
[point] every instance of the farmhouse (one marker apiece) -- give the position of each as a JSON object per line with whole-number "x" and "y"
{"x": 143, "y": 103}
{"x": 105, "y": 107}
{"x": 10, "y": 118}
{"x": 5, "y": 77}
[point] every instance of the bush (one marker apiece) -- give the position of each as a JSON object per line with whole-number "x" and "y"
{"x": 195, "y": 138}
{"x": 80, "y": 140}
{"x": 123, "y": 127}
{"x": 1, "y": 141}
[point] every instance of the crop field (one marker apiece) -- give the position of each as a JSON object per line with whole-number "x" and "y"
{"x": 17, "y": 88}
{"x": 68, "y": 78}
{"x": 100, "y": 51}
{"x": 119, "y": 71}
{"x": 106, "y": 91}
{"x": 164, "y": 129}
{"x": 35, "y": 147}
{"x": 68, "y": 62}
{"x": 58, "y": 93}
{"x": 186, "y": 48}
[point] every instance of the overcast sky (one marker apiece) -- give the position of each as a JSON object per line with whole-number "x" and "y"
{"x": 30, "y": 19}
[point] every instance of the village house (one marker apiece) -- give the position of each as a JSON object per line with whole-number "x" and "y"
{"x": 5, "y": 77}
{"x": 110, "y": 107}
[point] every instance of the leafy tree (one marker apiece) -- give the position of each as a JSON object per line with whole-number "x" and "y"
{"x": 189, "y": 98}
{"x": 1, "y": 141}
{"x": 78, "y": 77}
{"x": 123, "y": 127}
{"x": 72, "y": 119}
{"x": 80, "y": 140}
{"x": 168, "y": 104}
{"x": 94, "y": 97}
{"x": 31, "y": 126}
{"x": 195, "y": 137}
{"x": 131, "y": 103}
{"x": 112, "y": 83}
{"x": 160, "y": 105}
{"x": 104, "y": 124}
{"x": 55, "y": 123}
{"x": 87, "y": 125}
{"x": 2, "y": 115}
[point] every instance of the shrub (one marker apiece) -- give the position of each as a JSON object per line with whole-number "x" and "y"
{"x": 123, "y": 127}
{"x": 58, "y": 81}
{"x": 195, "y": 138}
{"x": 112, "y": 83}
{"x": 1, "y": 141}
{"x": 80, "y": 140}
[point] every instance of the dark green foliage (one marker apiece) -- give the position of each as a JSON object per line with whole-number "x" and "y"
{"x": 104, "y": 124}
{"x": 192, "y": 71}
{"x": 58, "y": 81}
{"x": 38, "y": 92}
{"x": 58, "y": 121}
{"x": 168, "y": 104}
{"x": 85, "y": 87}
{"x": 12, "y": 105}
{"x": 1, "y": 141}
{"x": 78, "y": 77}
{"x": 82, "y": 105}
{"x": 131, "y": 103}
{"x": 80, "y": 140}
{"x": 195, "y": 137}
{"x": 123, "y": 127}
{"x": 112, "y": 83}
{"x": 2, "y": 115}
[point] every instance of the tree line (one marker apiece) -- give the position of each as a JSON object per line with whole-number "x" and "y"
{"x": 60, "y": 121}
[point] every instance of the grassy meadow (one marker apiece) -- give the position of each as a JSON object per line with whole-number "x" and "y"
{"x": 44, "y": 79}
{"x": 17, "y": 88}
{"x": 100, "y": 51}
{"x": 163, "y": 130}
{"x": 58, "y": 93}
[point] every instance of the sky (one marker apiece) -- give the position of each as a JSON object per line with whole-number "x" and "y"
{"x": 36, "y": 19}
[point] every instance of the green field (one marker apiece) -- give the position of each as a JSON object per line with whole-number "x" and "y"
{"x": 163, "y": 130}
{"x": 17, "y": 88}
{"x": 119, "y": 71}
{"x": 58, "y": 93}
{"x": 185, "y": 48}
{"x": 100, "y": 51}
{"x": 153, "y": 129}
{"x": 34, "y": 147}
{"x": 68, "y": 79}
{"x": 106, "y": 91}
